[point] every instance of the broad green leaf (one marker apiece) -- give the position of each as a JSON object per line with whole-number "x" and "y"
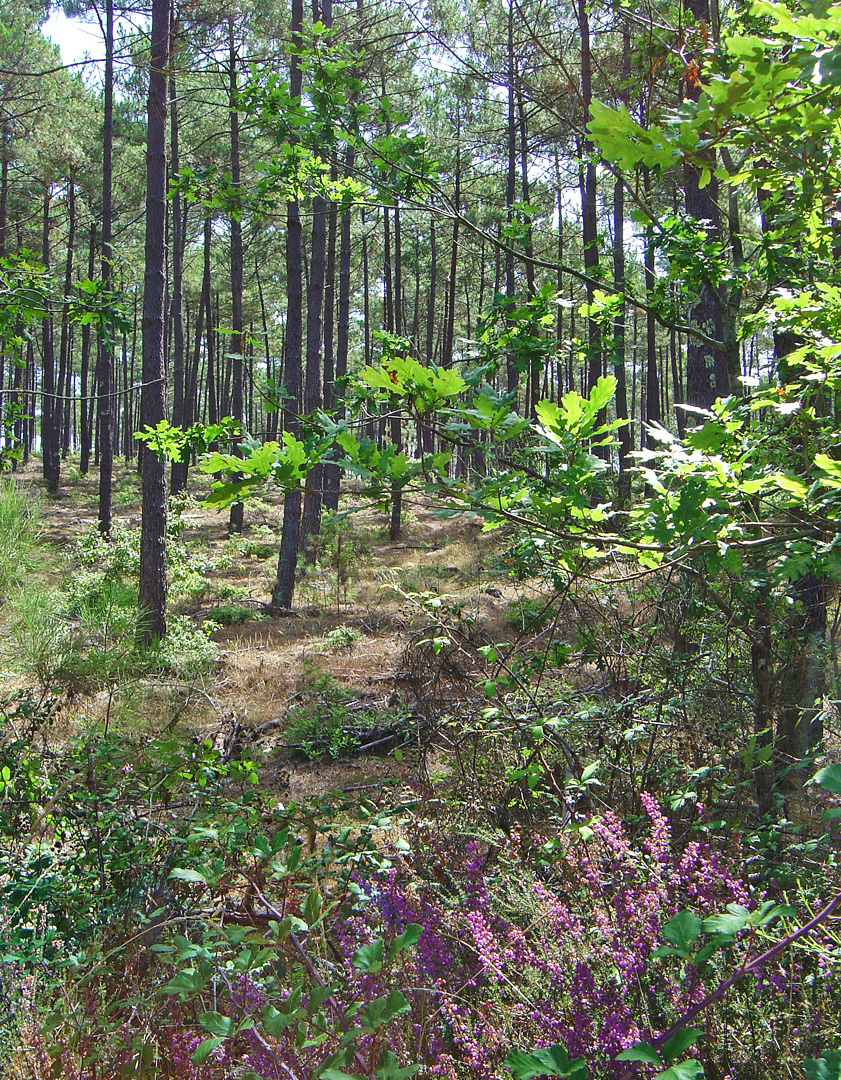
{"x": 829, "y": 778}
{"x": 641, "y": 1051}
{"x": 683, "y": 929}
{"x": 382, "y": 1009}
{"x": 828, "y": 464}
{"x": 312, "y": 908}
{"x": 216, "y": 1024}
{"x": 826, "y": 1067}
{"x": 186, "y": 874}
{"x": 680, "y": 1043}
{"x": 686, "y": 1070}
{"x": 205, "y": 1049}
{"x": 789, "y": 483}
{"x": 410, "y": 936}
{"x": 370, "y": 957}
{"x": 550, "y": 1061}
{"x": 276, "y": 1022}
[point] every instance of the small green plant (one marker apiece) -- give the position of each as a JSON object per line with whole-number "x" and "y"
{"x": 231, "y": 614}
{"x": 40, "y": 633}
{"x": 527, "y": 613}
{"x": 316, "y": 726}
{"x": 186, "y": 650}
{"x": 20, "y": 534}
{"x": 124, "y": 499}
{"x": 341, "y": 637}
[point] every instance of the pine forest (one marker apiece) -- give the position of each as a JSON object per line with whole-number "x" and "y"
{"x": 420, "y": 563}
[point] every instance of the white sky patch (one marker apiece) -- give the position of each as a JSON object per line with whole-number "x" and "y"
{"x": 78, "y": 39}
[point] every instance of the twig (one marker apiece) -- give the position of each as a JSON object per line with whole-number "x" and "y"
{"x": 746, "y": 969}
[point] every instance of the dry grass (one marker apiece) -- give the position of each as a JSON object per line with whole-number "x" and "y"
{"x": 264, "y": 662}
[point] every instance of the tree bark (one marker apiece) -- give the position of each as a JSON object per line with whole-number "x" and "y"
{"x": 106, "y": 360}
{"x": 64, "y": 374}
{"x": 178, "y": 474}
{"x": 288, "y": 558}
{"x": 50, "y": 411}
{"x": 706, "y": 367}
{"x": 512, "y": 375}
{"x": 333, "y": 473}
{"x": 652, "y": 382}
{"x": 152, "y": 599}
{"x": 85, "y": 405}
{"x": 238, "y": 337}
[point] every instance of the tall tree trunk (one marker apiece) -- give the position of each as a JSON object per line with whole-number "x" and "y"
{"x": 64, "y": 378}
{"x": 4, "y": 204}
{"x": 534, "y": 367}
{"x": 50, "y": 410}
{"x": 449, "y": 329}
{"x": 706, "y": 366}
{"x": 512, "y": 375}
{"x": 619, "y": 338}
{"x": 238, "y": 337}
{"x": 396, "y": 419}
{"x": 331, "y": 498}
{"x": 652, "y": 382}
{"x": 313, "y": 394}
{"x": 311, "y": 519}
{"x": 152, "y": 599}
{"x": 589, "y": 204}
{"x": 192, "y": 412}
{"x": 330, "y": 299}
{"x": 288, "y": 557}
{"x": 5, "y": 138}
{"x": 106, "y": 360}
{"x": 427, "y": 438}
{"x": 559, "y": 327}
{"x": 178, "y": 475}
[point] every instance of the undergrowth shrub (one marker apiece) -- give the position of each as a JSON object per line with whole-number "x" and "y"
{"x": 20, "y": 535}
{"x": 83, "y": 636}
{"x": 226, "y": 939}
{"x": 328, "y": 721}
{"x": 527, "y": 613}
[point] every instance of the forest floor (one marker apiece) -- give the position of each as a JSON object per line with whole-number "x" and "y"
{"x": 310, "y": 681}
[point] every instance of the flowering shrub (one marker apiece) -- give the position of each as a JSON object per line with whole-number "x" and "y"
{"x": 260, "y": 960}
{"x": 565, "y": 949}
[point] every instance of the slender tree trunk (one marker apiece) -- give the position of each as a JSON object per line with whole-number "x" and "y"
{"x": 589, "y": 203}
{"x": 178, "y": 474}
{"x": 64, "y": 379}
{"x": 333, "y": 476}
{"x": 311, "y": 519}
{"x": 50, "y": 411}
{"x": 152, "y": 599}
{"x": 625, "y": 445}
{"x": 288, "y": 557}
{"x": 427, "y": 439}
{"x": 534, "y": 367}
{"x": 449, "y": 330}
{"x": 706, "y": 367}
{"x": 559, "y": 328}
{"x": 512, "y": 375}
{"x": 4, "y": 187}
{"x": 330, "y": 300}
{"x": 106, "y": 360}
{"x": 652, "y": 383}
{"x": 313, "y": 391}
{"x": 238, "y": 338}
{"x": 396, "y": 419}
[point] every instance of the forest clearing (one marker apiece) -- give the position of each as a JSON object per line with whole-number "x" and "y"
{"x": 419, "y": 541}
